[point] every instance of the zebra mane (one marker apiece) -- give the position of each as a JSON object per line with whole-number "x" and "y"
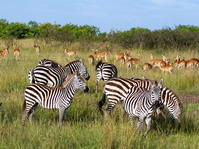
{"x": 77, "y": 61}
{"x": 68, "y": 80}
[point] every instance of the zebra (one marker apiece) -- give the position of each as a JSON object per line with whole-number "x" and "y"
{"x": 143, "y": 104}
{"x": 43, "y": 62}
{"x": 52, "y": 97}
{"x": 55, "y": 76}
{"x": 49, "y": 63}
{"x": 116, "y": 89}
{"x": 104, "y": 71}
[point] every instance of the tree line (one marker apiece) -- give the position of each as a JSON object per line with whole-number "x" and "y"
{"x": 179, "y": 37}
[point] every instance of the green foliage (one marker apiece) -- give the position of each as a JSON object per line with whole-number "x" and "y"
{"x": 180, "y": 37}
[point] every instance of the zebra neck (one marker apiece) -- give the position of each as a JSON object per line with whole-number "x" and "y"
{"x": 69, "y": 90}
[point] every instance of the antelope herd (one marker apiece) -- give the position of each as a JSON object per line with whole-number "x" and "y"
{"x": 164, "y": 64}
{"x": 125, "y": 59}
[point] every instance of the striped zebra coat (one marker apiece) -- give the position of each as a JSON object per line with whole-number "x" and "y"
{"x": 52, "y": 97}
{"x": 142, "y": 104}
{"x": 116, "y": 89}
{"x": 44, "y": 62}
{"x": 104, "y": 71}
{"x": 55, "y": 76}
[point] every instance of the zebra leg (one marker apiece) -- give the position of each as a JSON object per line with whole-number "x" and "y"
{"x": 61, "y": 115}
{"x": 31, "y": 112}
{"x": 131, "y": 119}
{"x": 108, "y": 110}
{"x": 27, "y": 112}
{"x": 96, "y": 91}
{"x": 140, "y": 124}
{"x": 148, "y": 123}
{"x": 101, "y": 102}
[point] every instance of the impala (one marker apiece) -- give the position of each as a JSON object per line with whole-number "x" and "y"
{"x": 131, "y": 61}
{"x": 155, "y": 62}
{"x": 192, "y": 62}
{"x": 4, "y": 52}
{"x": 180, "y": 63}
{"x": 100, "y": 55}
{"x": 167, "y": 68}
{"x": 91, "y": 59}
{"x": 147, "y": 66}
{"x": 16, "y": 52}
{"x": 70, "y": 53}
{"x": 37, "y": 48}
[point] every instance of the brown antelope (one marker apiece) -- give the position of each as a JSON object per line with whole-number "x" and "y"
{"x": 155, "y": 62}
{"x": 91, "y": 59}
{"x": 70, "y": 53}
{"x": 147, "y": 66}
{"x": 166, "y": 68}
{"x": 16, "y": 52}
{"x": 4, "y": 52}
{"x": 131, "y": 61}
{"x": 119, "y": 56}
{"x": 100, "y": 55}
{"x": 192, "y": 62}
{"x": 180, "y": 63}
{"x": 37, "y": 48}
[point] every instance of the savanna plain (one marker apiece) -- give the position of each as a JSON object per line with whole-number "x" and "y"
{"x": 83, "y": 125}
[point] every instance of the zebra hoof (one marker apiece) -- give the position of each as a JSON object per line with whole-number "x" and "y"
{"x": 0, "y": 103}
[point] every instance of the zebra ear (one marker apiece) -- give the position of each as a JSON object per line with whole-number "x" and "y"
{"x": 81, "y": 60}
{"x": 160, "y": 84}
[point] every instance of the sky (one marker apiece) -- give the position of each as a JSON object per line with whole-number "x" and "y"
{"x": 107, "y": 15}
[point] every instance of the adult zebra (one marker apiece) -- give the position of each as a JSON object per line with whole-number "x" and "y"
{"x": 43, "y": 62}
{"x": 116, "y": 89}
{"x": 52, "y": 97}
{"x": 143, "y": 104}
{"x": 49, "y": 63}
{"x": 55, "y": 76}
{"x": 104, "y": 71}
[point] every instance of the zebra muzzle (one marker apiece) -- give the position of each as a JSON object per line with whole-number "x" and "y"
{"x": 87, "y": 78}
{"x": 158, "y": 104}
{"x": 86, "y": 89}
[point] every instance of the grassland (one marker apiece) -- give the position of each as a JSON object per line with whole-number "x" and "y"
{"x": 84, "y": 126}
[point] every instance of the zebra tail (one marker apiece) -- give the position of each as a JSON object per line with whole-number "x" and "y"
{"x": 24, "y": 105}
{"x": 32, "y": 75}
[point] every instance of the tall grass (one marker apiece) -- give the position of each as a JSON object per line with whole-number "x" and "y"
{"x": 83, "y": 126}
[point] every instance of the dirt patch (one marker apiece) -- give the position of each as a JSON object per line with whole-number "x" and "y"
{"x": 189, "y": 99}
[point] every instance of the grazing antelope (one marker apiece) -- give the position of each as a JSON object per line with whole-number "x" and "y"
{"x": 180, "y": 63}
{"x": 16, "y": 52}
{"x": 131, "y": 61}
{"x": 147, "y": 66}
{"x": 155, "y": 62}
{"x": 192, "y": 62}
{"x": 100, "y": 55}
{"x": 4, "y": 52}
{"x": 91, "y": 59}
{"x": 37, "y": 48}
{"x": 121, "y": 56}
{"x": 70, "y": 52}
{"x": 166, "y": 68}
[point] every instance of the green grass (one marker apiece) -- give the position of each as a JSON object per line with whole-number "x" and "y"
{"x": 83, "y": 126}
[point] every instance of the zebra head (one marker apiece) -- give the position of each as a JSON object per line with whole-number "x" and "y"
{"x": 83, "y": 70}
{"x": 156, "y": 94}
{"x": 49, "y": 63}
{"x": 79, "y": 83}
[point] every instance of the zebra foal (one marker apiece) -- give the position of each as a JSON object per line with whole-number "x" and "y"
{"x": 52, "y": 97}
{"x": 143, "y": 104}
